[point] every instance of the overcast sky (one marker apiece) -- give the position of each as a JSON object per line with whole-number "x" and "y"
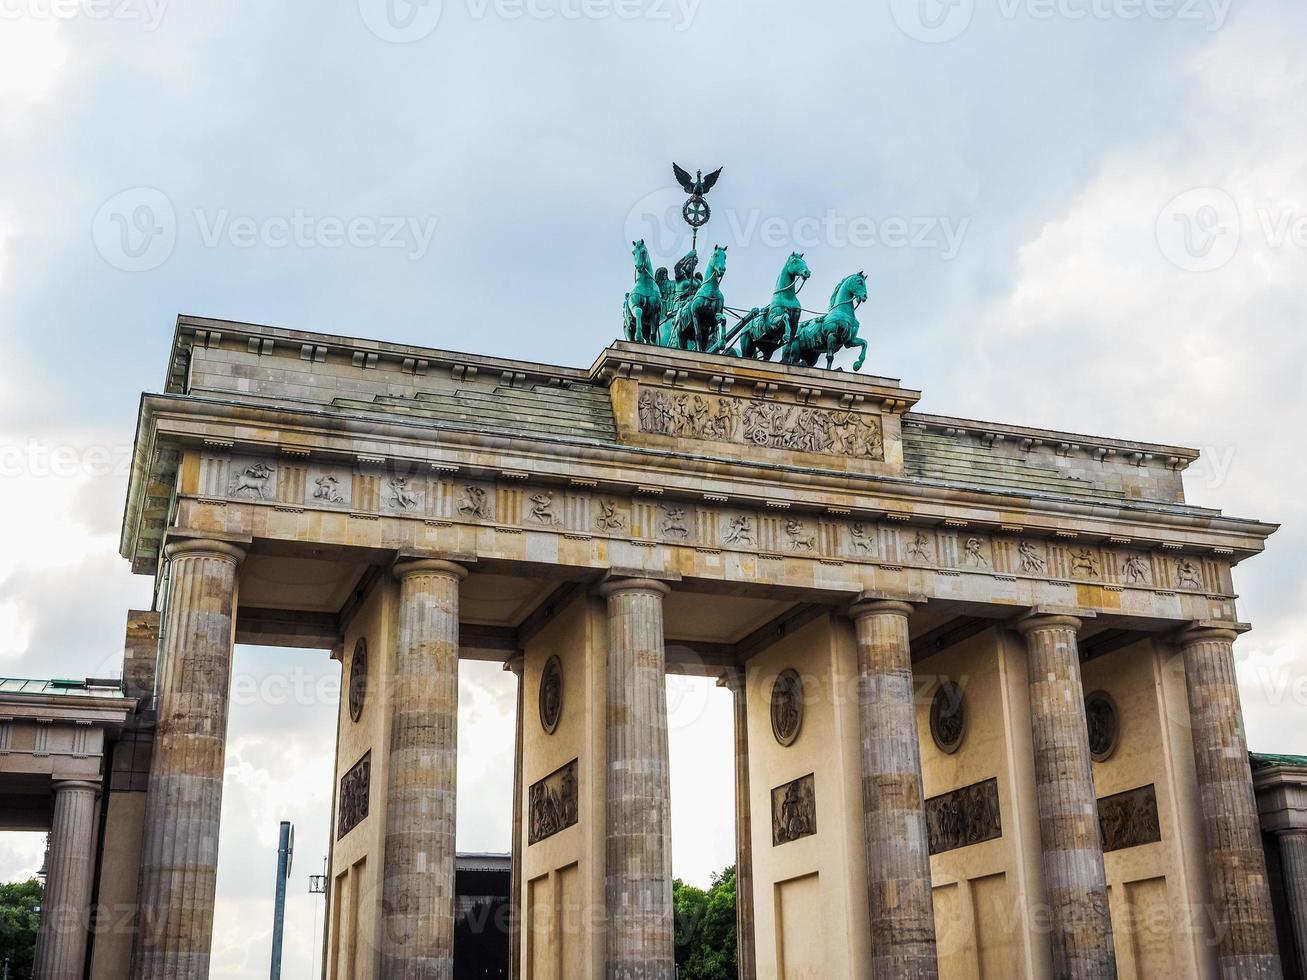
{"x": 1082, "y": 214}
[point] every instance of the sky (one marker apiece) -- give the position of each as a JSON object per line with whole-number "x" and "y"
{"x": 1082, "y": 214}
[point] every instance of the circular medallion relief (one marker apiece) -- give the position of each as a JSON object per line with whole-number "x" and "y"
{"x": 1104, "y": 725}
{"x": 551, "y": 695}
{"x": 787, "y": 706}
{"x": 358, "y": 679}
{"x": 948, "y": 717}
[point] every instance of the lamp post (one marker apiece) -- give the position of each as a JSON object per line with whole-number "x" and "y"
{"x": 285, "y": 851}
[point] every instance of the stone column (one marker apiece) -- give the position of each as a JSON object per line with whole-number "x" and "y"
{"x": 893, "y": 805}
{"x": 65, "y": 911}
{"x": 417, "y": 888}
{"x": 179, "y": 851}
{"x": 1074, "y": 876}
{"x": 637, "y": 811}
{"x": 1293, "y": 867}
{"x": 515, "y": 873}
{"x": 1236, "y": 864}
{"x": 746, "y": 957}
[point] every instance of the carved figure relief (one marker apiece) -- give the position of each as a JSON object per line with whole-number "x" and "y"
{"x": 551, "y": 695}
{"x": 1085, "y": 561}
{"x": 1188, "y": 575}
{"x": 975, "y": 548}
{"x": 400, "y": 494}
{"x": 327, "y": 488}
{"x": 355, "y": 787}
{"x": 358, "y": 679}
{"x": 769, "y": 425}
{"x": 553, "y": 804}
{"x": 858, "y": 535}
{"x": 787, "y": 707}
{"x": 963, "y": 817}
{"x": 800, "y": 538}
{"x": 1135, "y": 569}
{"x": 794, "y": 810}
{"x": 542, "y": 509}
{"x": 1129, "y": 819}
{"x": 253, "y": 482}
{"x": 948, "y": 717}
{"x": 739, "y": 530}
{"x": 609, "y": 518}
{"x": 673, "y": 523}
{"x": 474, "y": 504}
{"x": 919, "y": 547}
{"x": 1032, "y": 561}
{"x": 1104, "y": 725}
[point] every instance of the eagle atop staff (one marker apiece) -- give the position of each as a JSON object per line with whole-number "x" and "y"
{"x": 698, "y": 185}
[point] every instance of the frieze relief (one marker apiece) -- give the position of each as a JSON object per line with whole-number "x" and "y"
{"x": 1129, "y": 819}
{"x": 354, "y": 789}
{"x": 767, "y": 425}
{"x": 794, "y": 810}
{"x": 376, "y": 487}
{"x": 963, "y": 817}
{"x": 553, "y": 803}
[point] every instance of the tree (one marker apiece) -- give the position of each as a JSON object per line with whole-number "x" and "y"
{"x": 18, "y": 924}
{"x": 705, "y": 928}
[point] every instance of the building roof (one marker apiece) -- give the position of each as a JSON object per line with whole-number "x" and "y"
{"x": 88, "y": 688}
{"x": 1264, "y": 760}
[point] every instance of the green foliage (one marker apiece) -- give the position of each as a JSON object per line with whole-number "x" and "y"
{"x": 18, "y": 923}
{"x": 705, "y": 928}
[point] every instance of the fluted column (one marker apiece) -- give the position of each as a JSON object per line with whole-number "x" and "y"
{"x": 637, "y": 811}
{"x": 417, "y": 889}
{"x": 1074, "y": 877}
{"x": 65, "y": 911}
{"x": 179, "y": 852}
{"x": 1236, "y": 864}
{"x": 734, "y": 681}
{"x": 893, "y": 804}
{"x": 515, "y": 872}
{"x": 1293, "y": 867}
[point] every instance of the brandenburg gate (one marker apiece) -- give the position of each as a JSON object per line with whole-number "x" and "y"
{"x": 986, "y": 715}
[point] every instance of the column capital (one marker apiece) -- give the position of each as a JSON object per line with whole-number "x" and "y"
{"x": 622, "y": 586}
{"x": 732, "y": 679}
{"x": 59, "y": 785}
{"x": 515, "y": 664}
{"x": 1048, "y": 619}
{"x": 203, "y": 548}
{"x": 870, "y": 605}
{"x": 1206, "y": 631}
{"x": 428, "y": 566}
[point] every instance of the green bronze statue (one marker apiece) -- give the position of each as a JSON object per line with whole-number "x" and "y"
{"x": 642, "y": 310}
{"x": 766, "y": 329}
{"x": 698, "y": 321}
{"x": 835, "y": 331}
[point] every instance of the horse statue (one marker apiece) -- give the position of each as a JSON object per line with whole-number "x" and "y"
{"x": 696, "y": 323}
{"x": 642, "y": 310}
{"x": 835, "y": 331}
{"x": 765, "y": 329}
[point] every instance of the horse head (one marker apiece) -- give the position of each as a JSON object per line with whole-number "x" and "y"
{"x": 853, "y": 289}
{"x": 717, "y": 264}
{"x": 795, "y": 268}
{"x": 641, "y": 255}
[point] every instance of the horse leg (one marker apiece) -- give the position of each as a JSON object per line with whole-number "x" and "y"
{"x": 862, "y": 357}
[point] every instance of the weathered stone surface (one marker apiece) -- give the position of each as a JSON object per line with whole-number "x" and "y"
{"x": 1236, "y": 864}
{"x": 179, "y": 857}
{"x": 894, "y": 820}
{"x": 67, "y": 904}
{"x": 417, "y": 898}
{"x": 1074, "y": 877}
{"x": 746, "y": 956}
{"x": 638, "y": 841}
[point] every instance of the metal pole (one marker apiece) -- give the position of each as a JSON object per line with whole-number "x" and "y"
{"x": 285, "y": 849}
